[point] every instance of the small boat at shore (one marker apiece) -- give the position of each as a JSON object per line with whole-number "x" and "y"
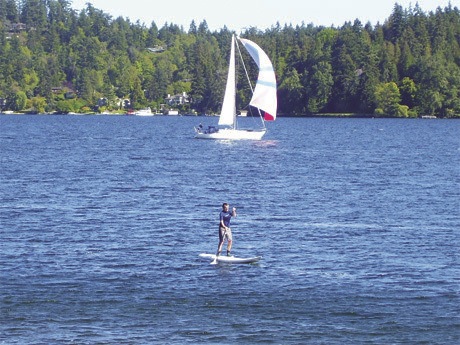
{"x": 144, "y": 112}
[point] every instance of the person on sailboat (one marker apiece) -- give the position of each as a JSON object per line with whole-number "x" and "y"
{"x": 224, "y": 228}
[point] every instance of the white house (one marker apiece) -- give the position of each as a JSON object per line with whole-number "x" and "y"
{"x": 178, "y": 99}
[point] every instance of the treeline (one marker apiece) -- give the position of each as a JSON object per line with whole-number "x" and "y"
{"x": 53, "y": 58}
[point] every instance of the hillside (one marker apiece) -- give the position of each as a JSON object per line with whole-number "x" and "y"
{"x": 54, "y": 58}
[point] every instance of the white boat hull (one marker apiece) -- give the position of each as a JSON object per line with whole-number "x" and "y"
{"x": 144, "y": 112}
{"x": 232, "y": 134}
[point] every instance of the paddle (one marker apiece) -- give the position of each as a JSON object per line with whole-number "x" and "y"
{"x": 213, "y": 262}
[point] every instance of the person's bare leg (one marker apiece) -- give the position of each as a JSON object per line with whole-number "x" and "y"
{"x": 229, "y": 247}
{"x": 219, "y": 248}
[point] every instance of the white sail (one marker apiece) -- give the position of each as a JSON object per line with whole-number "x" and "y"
{"x": 228, "y": 112}
{"x": 264, "y": 96}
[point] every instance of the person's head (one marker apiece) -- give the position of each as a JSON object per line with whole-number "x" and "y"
{"x": 224, "y": 206}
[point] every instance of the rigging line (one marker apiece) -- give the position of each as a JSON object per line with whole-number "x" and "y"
{"x": 244, "y": 66}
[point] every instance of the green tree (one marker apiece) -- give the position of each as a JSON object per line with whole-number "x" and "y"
{"x": 319, "y": 89}
{"x": 290, "y": 90}
{"x": 397, "y": 23}
{"x": 387, "y": 97}
{"x": 408, "y": 92}
{"x": 19, "y": 101}
{"x": 137, "y": 94}
{"x": 38, "y": 105}
{"x": 34, "y": 14}
{"x": 437, "y": 79}
{"x": 207, "y": 73}
{"x": 9, "y": 11}
{"x": 345, "y": 82}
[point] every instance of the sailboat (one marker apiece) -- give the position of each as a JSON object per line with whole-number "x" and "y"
{"x": 263, "y": 98}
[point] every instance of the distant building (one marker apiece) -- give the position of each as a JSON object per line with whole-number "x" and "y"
{"x": 178, "y": 99}
{"x": 15, "y": 27}
{"x": 70, "y": 95}
{"x": 156, "y": 49}
{"x": 66, "y": 91}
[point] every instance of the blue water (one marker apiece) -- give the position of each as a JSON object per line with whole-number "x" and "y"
{"x": 102, "y": 219}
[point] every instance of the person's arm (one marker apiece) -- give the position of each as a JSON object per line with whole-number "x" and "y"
{"x": 234, "y": 212}
{"x": 222, "y": 221}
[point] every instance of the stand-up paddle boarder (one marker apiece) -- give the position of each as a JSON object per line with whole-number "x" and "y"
{"x": 224, "y": 228}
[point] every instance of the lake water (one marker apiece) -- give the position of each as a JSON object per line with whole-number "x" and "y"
{"x": 103, "y": 218}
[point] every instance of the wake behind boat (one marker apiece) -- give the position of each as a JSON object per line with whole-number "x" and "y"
{"x": 263, "y": 98}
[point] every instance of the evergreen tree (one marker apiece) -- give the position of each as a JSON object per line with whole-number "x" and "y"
{"x": 9, "y": 11}
{"x": 387, "y": 98}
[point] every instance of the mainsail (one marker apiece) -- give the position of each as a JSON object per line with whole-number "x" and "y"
{"x": 264, "y": 96}
{"x": 228, "y": 112}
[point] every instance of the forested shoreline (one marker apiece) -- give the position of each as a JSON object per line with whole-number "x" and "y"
{"x": 56, "y": 59}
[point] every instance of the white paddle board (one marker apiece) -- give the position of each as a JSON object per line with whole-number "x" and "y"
{"x": 231, "y": 259}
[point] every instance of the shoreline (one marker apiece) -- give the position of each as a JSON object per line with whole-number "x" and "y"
{"x": 323, "y": 115}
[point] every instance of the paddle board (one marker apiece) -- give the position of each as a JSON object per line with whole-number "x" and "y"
{"x": 231, "y": 259}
